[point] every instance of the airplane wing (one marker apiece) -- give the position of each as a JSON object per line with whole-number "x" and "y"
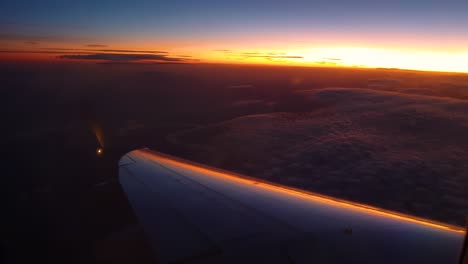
{"x": 196, "y": 214}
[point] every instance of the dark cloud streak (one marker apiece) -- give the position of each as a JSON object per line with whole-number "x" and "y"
{"x": 139, "y": 63}
{"x": 110, "y": 50}
{"x": 133, "y": 51}
{"x": 275, "y": 56}
{"x": 326, "y": 63}
{"x": 256, "y": 54}
{"x": 122, "y": 57}
{"x": 40, "y": 51}
{"x": 332, "y": 59}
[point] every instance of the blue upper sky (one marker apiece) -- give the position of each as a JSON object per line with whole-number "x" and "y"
{"x": 166, "y": 19}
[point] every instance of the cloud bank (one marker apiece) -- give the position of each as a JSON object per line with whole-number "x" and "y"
{"x": 122, "y": 57}
{"x": 265, "y": 55}
{"x": 407, "y": 153}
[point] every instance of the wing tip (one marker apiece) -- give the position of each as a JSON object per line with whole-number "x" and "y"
{"x": 127, "y": 158}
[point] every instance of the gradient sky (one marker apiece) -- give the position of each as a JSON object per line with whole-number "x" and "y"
{"x": 411, "y": 34}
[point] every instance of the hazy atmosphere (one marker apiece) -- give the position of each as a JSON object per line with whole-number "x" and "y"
{"x": 364, "y": 101}
{"x": 389, "y": 138}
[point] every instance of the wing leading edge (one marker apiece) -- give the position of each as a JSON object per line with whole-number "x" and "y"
{"x": 193, "y": 213}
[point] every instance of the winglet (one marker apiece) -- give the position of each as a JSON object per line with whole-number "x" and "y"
{"x": 464, "y": 252}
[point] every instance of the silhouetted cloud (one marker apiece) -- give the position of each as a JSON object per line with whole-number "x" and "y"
{"x": 252, "y": 53}
{"x": 276, "y": 53}
{"x": 276, "y": 56}
{"x": 122, "y": 57}
{"x": 108, "y": 55}
{"x": 40, "y": 51}
{"x": 110, "y": 50}
{"x": 96, "y": 46}
{"x": 326, "y": 63}
{"x": 140, "y": 63}
{"x": 269, "y": 55}
{"x": 62, "y": 49}
{"x": 329, "y": 61}
{"x": 263, "y": 54}
{"x": 174, "y": 62}
{"x": 332, "y": 59}
{"x": 133, "y": 51}
{"x": 31, "y": 42}
{"x": 255, "y": 54}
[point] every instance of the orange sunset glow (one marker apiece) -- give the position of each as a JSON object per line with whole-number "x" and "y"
{"x": 366, "y": 34}
{"x": 324, "y": 56}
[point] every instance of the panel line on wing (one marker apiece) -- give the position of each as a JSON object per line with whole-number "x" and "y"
{"x": 249, "y": 208}
{"x": 209, "y": 249}
{"x": 308, "y": 195}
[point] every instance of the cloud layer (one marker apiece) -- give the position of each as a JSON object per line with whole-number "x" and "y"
{"x": 407, "y": 153}
{"x": 102, "y": 55}
{"x": 265, "y": 55}
{"x": 122, "y": 57}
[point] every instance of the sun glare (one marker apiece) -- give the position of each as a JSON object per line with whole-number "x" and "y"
{"x": 344, "y": 56}
{"x": 387, "y": 58}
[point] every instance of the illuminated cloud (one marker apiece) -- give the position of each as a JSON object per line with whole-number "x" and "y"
{"x": 351, "y": 142}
